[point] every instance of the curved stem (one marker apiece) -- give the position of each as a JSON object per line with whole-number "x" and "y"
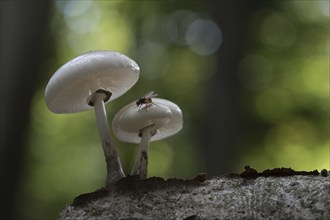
{"x": 141, "y": 162}
{"x": 114, "y": 168}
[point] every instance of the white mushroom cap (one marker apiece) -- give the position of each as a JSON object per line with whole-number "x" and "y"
{"x": 164, "y": 115}
{"x": 70, "y": 88}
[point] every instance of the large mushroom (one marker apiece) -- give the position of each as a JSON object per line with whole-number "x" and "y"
{"x": 155, "y": 121}
{"x": 88, "y": 82}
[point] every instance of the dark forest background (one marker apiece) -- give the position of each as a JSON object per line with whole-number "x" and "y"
{"x": 252, "y": 79}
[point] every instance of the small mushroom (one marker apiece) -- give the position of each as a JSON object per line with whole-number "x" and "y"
{"x": 88, "y": 82}
{"x": 155, "y": 121}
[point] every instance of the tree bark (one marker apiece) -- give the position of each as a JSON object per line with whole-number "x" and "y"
{"x": 223, "y": 197}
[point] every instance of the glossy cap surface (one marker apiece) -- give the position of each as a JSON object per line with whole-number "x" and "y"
{"x": 72, "y": 85}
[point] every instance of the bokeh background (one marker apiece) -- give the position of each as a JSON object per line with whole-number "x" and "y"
{"x": 251, "y": 77}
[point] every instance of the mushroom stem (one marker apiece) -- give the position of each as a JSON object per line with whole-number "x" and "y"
{"x": 141, "y": 162}
{"x": 114, "y": 168}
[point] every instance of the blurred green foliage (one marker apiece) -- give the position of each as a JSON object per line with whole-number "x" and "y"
{"x": 288, "y": 68}
{"x": 284, "y": 78}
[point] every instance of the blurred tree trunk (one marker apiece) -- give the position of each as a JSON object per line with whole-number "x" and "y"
{"x": 23, "y": 24}
{"x": 225, "y": 118}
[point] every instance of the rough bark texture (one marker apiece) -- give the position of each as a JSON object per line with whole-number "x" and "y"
{"x": 226, "y": 197}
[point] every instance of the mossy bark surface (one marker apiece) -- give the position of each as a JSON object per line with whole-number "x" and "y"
{"x": 223, "y": 197}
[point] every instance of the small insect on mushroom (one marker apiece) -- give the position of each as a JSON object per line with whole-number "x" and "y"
{"x": 146, "y": 99}
{"x": 160, "y": 121}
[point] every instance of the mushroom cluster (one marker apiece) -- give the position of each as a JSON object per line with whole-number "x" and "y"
{"x": 93, "y": 79}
